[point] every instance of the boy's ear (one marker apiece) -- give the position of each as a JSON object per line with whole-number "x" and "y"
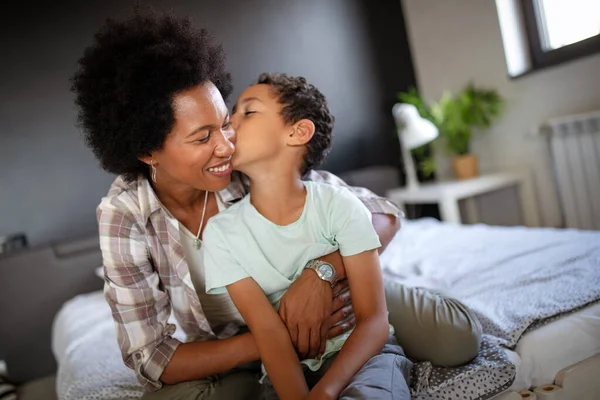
{"x": 302, "y": 132}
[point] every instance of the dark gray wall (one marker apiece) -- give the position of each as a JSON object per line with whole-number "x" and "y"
{"x": 355, "y": 51}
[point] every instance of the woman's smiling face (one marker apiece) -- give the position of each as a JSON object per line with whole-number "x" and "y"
{"x": 198, "y": 150}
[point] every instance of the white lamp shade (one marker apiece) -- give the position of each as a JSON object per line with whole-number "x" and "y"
{"x": 414, "y": 130}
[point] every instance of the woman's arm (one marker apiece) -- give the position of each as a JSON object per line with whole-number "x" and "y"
{"x": 272, "y": 339}
{"x": 386, "y": 226}
{"x": 372, "y": 329}
{"x": 198, "y": 360}
{"x": 141, "y": 308}
{"x": 308, "y": 305}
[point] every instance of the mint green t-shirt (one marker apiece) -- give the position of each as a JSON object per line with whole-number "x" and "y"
{"x": 240, "y": 242}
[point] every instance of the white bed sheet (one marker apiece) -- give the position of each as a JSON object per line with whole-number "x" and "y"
{"x": 84, "y": 344}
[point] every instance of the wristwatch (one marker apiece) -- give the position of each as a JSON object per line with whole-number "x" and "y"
{"x": 325, "y": 271}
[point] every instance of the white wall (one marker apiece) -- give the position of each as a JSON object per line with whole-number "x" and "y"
{"x": 454, "y": 41}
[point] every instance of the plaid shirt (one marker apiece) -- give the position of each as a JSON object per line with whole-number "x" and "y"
{"x": 147, "y": 276}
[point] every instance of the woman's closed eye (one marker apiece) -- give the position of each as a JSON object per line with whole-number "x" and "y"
{"x": 205, "y": 139}
{"x": 249, "y": 112}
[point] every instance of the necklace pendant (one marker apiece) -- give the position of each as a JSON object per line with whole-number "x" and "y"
{"x": 197, "y": 244}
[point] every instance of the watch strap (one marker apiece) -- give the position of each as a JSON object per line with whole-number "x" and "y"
{"x": 315, "y": 264}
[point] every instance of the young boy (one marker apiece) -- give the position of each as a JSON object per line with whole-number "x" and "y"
{"x": 284, "y": 129}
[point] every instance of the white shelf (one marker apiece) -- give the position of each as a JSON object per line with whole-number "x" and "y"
{"x": 448, "y": 193}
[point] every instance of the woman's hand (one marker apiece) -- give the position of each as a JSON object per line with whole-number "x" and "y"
{"x": 342, "y": 316}
{"x": 305, "y": 310}
{"x": 310, "y": 309}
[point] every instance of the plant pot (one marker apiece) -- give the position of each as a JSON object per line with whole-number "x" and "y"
{"x": 466, "y": 166}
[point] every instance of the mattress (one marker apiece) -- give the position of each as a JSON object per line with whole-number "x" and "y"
{"x": 544, "y": 351}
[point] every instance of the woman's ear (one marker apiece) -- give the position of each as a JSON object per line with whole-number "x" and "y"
{"x": 146, "y": 159}
{"x": 302, "y": 132}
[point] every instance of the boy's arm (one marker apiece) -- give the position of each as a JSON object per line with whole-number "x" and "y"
{"x": 372, "y": 330}
{"x": 223, "y": 272}
{"x": 272, "y": 339}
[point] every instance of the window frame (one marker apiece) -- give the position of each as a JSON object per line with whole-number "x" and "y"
{"x": 541, "y": 58}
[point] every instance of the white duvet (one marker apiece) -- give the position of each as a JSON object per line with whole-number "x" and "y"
{"x": 505, "y": 275}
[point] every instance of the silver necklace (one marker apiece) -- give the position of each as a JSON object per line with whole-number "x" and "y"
{"x": 198, "y": 242}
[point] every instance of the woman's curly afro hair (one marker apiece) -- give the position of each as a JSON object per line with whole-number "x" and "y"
{"x": 128, "y": 77}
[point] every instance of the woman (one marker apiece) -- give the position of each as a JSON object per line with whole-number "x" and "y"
{"x": 151, "y": 92}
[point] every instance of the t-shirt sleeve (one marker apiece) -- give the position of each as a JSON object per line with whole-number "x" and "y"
{"x": 220, "y": 266}
{"x": 351, "y": 224}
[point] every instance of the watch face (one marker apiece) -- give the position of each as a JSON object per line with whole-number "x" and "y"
{"x": 326, "y": 271}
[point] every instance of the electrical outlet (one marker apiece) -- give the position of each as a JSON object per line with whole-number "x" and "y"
{"x": 13, "y": 242}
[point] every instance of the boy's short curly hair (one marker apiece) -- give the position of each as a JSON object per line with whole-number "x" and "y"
{"x": 302, "y": 100}
{"x": 128, "y": 77}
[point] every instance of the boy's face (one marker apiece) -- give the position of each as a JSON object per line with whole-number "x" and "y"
{"x": 260, "y": 128}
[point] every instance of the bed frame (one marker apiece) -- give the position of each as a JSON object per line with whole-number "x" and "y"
{"x": 34, "y": 284}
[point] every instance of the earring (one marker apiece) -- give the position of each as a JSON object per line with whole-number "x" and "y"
{"x": 153, "y": 171}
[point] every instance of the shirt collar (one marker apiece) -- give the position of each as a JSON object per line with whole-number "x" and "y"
{"x": 236, "y": 190}
{"x": 148, "y": 200}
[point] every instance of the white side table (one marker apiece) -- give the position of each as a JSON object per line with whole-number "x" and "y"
{"x": 448, "y": 194}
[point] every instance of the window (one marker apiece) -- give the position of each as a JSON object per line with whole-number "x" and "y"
{"x": 561, "y": 30}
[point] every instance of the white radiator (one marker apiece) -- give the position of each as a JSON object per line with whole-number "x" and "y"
{"x": 575, "y": 150}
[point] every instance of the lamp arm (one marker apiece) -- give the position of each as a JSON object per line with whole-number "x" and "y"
{"x": 409, "y": 166}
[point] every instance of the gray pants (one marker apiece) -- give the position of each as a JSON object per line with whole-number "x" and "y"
{"x": 239, "y": 384}
{"x": 383, "y": 377}
{"x": 429, "y": 326}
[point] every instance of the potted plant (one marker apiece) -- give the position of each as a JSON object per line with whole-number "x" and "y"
{"x": 458, "y": 117}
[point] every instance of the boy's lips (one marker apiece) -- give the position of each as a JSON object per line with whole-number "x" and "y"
{"x": 234, "y": 161}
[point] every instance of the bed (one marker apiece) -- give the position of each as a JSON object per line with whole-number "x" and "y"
{"x": 58, "y": 336}
{"x": 497, "y": 272}
{"x": 560, "y": 344}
